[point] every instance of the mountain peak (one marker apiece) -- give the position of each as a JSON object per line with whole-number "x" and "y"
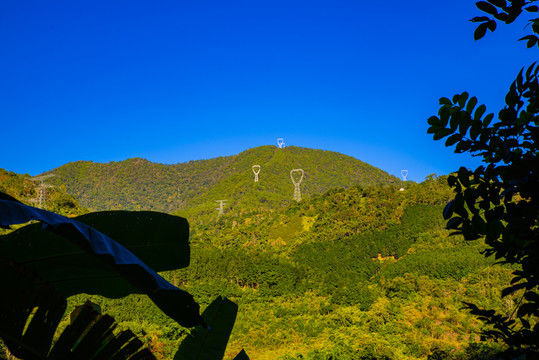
{"x": 129, "y": 184}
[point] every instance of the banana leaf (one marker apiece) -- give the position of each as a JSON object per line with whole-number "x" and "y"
{"x": 4, "y": 196}
{"x": 31, "y": 310}
{"x": 113, "y": 259}
{"x": 159, "y": 240}
{"x": 209, "y": 343}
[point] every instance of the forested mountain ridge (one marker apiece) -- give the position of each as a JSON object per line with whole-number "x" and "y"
{"x": 357, "y": 273}
{"x": 138, "y": 184}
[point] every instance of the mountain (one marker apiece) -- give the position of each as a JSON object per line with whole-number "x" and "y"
{"x": 140, "y": 184}
{"x": 366, "y": 272}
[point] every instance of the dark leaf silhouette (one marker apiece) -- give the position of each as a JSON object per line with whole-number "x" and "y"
{"x": 32, "y": 312}
{"x": 175, "y": 302}
{"x": 210, "y": 343}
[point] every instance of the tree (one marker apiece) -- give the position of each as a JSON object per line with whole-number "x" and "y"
{"x": 499, "y": 201}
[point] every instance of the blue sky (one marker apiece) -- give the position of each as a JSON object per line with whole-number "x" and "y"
{"x": 173, "y": 81}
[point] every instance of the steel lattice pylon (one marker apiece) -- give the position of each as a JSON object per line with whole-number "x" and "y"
{"x": 297, "y": 191}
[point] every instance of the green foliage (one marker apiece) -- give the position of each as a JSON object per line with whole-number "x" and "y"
{"x": 25, "y": 190}
{"x": 453, "y": 262}
{"x": 500, "y": 202}
{"x": 332, "y": 276}
{"x": 325, "y": 276}
{"x": 506, "y": 12}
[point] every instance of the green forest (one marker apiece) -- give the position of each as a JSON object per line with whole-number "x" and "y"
{"x": 364, "y": 266}
{"x": 358, "y": 272}
{"x": 138, "y": 184}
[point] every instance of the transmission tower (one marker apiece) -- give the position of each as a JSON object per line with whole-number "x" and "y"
{"x": 297, "y": 192}
{"x": 256, "y": 170}
{"x": 220, "y": 208}
{"x": 41, "y": 189}
{"x": 404, "y": 174}
{"x": 280, "y": 142}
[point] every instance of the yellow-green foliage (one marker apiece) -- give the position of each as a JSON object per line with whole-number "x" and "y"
{"x": 310, "y": 285}
{"x": 308, "y": 222}
{"x": 55, "y": 198}
{"x": 193, "y": 187}
{"x": 321, "y": 291}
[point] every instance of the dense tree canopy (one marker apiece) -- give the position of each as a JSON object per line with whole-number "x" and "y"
{"x": 361, "y": 272}
{"x": 500, "y": 200}
{"x": 193, "y": 187}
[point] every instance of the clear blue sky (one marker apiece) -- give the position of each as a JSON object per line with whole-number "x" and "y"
{"x": 173, "y": 81}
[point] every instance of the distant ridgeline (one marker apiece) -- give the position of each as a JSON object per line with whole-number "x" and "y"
{"x": 138, "y": 184}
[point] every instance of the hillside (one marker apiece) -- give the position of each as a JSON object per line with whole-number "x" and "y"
{"x": 138, "y": 184}
{"x": 358, "y": 273}
{"x": 25, "y": 190}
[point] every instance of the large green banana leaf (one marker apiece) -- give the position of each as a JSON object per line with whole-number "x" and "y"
{"x": 160, "y": 240}
{"x": 31, "y": 310}
{"x": 209, "y": 343}
{"x": 91, "y": 261}
{"x": 157, "y": 239}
